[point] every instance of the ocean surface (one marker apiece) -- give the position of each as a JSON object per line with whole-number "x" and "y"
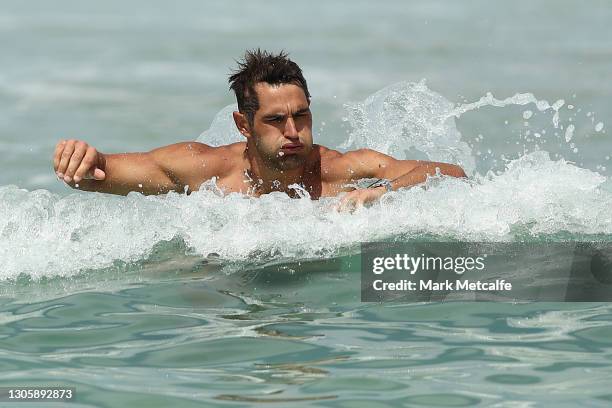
{"x": 207, "y": 301}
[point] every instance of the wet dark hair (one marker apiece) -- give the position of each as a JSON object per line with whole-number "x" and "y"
{"x": 263, "y": 66}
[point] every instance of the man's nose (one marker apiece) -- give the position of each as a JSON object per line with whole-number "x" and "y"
{"x": 290, "y": 128}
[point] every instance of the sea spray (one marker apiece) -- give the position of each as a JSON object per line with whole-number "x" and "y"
{"x": 45, "y": 235}
{"x": 408, "y": 116}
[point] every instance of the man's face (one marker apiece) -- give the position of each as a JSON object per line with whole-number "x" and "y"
{"x": 282, "y": 126}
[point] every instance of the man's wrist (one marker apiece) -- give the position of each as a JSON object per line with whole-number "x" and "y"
{"x": 384, "y": 184}
{"x": 101, "y": 162}
{"x": 382, "y": 190}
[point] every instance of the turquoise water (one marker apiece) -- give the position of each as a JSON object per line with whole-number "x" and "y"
{"x": 202, "y": 300}
{"x": 177, "y": 332}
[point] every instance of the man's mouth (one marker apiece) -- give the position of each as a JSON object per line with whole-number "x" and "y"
{"x": 288, "y": 148}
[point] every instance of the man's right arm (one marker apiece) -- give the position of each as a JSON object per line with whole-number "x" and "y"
{"x": 156, "y": 172}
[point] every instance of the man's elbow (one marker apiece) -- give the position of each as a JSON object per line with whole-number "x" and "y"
{"x": 452, "y": 170}
{"x": 457, "y": 171}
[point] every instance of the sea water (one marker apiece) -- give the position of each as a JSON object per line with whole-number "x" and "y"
{"x": 235, "y": 301}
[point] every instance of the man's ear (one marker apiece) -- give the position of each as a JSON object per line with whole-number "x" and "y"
{"x": 242, "y": 123}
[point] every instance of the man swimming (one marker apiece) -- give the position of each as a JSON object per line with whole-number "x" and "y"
{"x": 278, "y": 154}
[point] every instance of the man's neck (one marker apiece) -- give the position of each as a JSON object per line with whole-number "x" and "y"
{"x": 266, "y": 179}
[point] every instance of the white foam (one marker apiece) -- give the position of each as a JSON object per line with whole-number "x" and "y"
{"x": 44, "y": 234}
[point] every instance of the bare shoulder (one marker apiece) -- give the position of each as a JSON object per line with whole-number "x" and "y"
{"x": 335, "y": 157}
{"x": 194, "y": 162}
{"x": 330, "y": 162}
{"x": 328, "y": 155}
{"x": 197, "y": 152}
{"x": 356, "y": 164}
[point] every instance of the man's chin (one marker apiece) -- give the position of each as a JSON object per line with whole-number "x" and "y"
{"x": 291, "y": 163}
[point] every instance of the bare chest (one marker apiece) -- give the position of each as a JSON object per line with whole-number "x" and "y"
{"x": 241, "y": 183}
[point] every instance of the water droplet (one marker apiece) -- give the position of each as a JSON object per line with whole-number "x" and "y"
{"x": 558, "y": 104}
{"x": 569, "y": 133}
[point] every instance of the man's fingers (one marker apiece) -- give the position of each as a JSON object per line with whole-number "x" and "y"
{"x": 347, "y": 203}
{"x": 75, "y": 160}
{"x": 352, "y": 201}
{"x": 356, "y": 203}
{"x": 86, "y": 164}
{"x": 58, "y": 154}
{"x": 99, "y": 174}
{"x": 80, "y": 149}
{"x": 340, "y": 205}
{"x": 65, "y": 157}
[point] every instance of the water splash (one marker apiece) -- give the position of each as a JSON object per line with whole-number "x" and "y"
{"x": 43, "y": 234}
{"x": 222, "y": 130}
{"x": 408, "y": 116}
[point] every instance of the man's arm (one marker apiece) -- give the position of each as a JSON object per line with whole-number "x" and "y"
{"x": 159, "y": 171}
{"x": 367, "y": 163}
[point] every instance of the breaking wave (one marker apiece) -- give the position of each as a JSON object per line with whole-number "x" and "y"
{"x": 533, "y": 196}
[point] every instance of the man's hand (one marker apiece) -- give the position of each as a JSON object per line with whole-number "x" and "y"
{"x": 169, "y": 168}
{"x": 358, "y": 198}
{"x": 75, "y": 160}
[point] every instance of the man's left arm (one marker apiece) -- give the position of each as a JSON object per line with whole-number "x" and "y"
{"x": 367, "y": 163}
